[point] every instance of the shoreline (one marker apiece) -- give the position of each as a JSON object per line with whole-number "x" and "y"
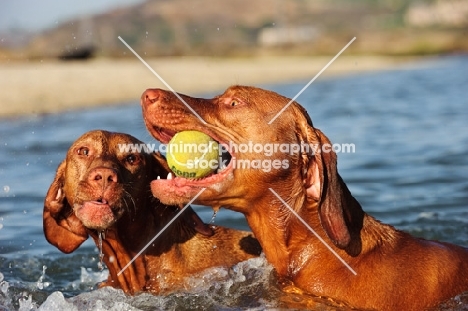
{"x": 54, "y": 86}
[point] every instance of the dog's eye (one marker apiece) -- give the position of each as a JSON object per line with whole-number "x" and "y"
{"x": 131, "y": 159}
{"x": 84, "y": 151}
{"x": 231, "y": 102}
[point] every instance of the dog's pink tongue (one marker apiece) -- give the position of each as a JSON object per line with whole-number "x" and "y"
{"x": 96, "y": 215}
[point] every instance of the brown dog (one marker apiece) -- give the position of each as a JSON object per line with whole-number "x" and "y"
{"x": 395, "y": 271}
{"x": 101, "y": 187}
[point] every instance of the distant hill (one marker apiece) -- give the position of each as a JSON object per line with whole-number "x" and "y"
{"x": 246, "y": 27}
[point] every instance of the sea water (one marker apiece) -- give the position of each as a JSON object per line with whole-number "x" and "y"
{"x": 409, "y": 169}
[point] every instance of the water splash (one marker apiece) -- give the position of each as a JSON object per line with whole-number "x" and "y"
{"x": 40, "y": 282}
{"x": 246, "y": 286}
{"x": 25, "y": 302}
{"x": 88, "y": 277}
{"x": 3, "y": 284}
{"x": 101, "y": 236}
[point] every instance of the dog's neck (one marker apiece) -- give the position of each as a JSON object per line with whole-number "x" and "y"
{"x": 290, "y": 246}
{"x": 277, "y": 229}
{"x": 122, "y": 243}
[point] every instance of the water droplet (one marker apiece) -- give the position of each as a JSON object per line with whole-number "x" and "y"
{"x": 101, "y": 236}
{"x": 213, "y": 217}
{"x": 6, "y": 188}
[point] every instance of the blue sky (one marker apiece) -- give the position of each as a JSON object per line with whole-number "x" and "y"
{"x": 36, "y": 15}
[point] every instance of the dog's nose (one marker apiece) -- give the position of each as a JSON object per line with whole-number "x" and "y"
{"x": 150, "y": 96}
{"x": 103, "y": 176}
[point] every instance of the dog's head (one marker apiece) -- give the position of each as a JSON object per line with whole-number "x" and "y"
{"x": 102, "y": 178}
{"x": 271, "y": 144}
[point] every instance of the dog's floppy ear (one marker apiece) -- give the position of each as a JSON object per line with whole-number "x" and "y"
{"x": 333, "y": 199}
{"x": 61, "y": 227}
{"x": 322, "y": 182}
{"x": 197, "y": 223}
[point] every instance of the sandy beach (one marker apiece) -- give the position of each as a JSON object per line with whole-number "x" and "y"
{"x": 53, "y": 86}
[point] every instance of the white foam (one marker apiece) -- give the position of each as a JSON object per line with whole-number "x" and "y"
{"x": 214, "y": 288}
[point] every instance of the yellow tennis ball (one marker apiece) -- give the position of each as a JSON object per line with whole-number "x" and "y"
{"x": 192, "y": 154}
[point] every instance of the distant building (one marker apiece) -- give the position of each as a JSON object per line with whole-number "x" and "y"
{"x": 285, "y": 35}
{"x": 442, "y": 13}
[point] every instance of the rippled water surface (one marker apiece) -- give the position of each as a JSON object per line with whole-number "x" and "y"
{"x": 410, "y": 169}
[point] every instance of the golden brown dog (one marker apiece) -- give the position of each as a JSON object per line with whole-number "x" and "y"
{"x": 395, "y": 271}
{"x": 103, "y": 187}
